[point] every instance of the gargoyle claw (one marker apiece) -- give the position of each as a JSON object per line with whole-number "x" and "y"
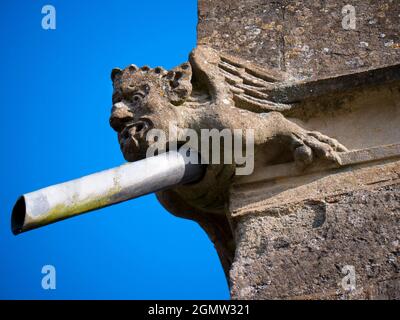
{"x": 332, "y": 142}
{"x": 310, "y": 145}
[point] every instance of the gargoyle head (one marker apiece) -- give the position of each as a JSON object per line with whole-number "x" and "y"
{"x": 144, "y": 99}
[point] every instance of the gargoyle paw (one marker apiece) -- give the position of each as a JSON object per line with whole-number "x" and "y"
{"x": 309, "y": 145}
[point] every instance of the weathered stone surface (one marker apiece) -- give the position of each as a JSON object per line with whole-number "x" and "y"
{"x": 299, "y": 252}
{"x": 304, "y": 38}
{"x": 213, "y": 91}
{"x": 294, "y": 231}
{"x": 324, "y": 105}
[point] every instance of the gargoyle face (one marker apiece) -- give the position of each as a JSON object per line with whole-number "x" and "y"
{"x": 144, "y": 99}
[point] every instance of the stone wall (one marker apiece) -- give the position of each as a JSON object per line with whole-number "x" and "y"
{"x": 296, "y": 231}
{"x": 304, "y": 38}
{"x": 299, "y": 250}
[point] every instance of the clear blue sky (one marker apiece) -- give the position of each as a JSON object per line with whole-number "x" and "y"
{"x": 55, "y": 98}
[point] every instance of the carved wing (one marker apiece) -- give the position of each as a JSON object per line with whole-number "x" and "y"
{"x": 229, "y": 78}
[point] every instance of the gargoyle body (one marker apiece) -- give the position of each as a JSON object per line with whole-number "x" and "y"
{"x": 212, "y": 90}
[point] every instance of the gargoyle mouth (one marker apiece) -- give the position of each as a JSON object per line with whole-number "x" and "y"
{"x": 132, "y": 139}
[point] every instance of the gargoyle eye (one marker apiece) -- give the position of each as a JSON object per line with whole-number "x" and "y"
{"x": 137, "y": 98}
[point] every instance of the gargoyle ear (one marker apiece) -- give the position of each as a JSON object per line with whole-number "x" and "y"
{"x": 115, "y": 72}
{"x": 179, "y": 83}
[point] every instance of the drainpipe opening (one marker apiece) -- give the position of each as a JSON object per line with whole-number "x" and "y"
{"x": 18, "y": 216}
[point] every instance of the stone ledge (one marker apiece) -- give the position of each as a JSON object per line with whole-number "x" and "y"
{"x": 347, "y": 158}
{"x": 275, "y": 189}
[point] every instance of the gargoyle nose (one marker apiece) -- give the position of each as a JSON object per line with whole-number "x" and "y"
{"x": 120, "y": 116}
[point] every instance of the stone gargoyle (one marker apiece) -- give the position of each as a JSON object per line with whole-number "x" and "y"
{"x": 212, "y": 90}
